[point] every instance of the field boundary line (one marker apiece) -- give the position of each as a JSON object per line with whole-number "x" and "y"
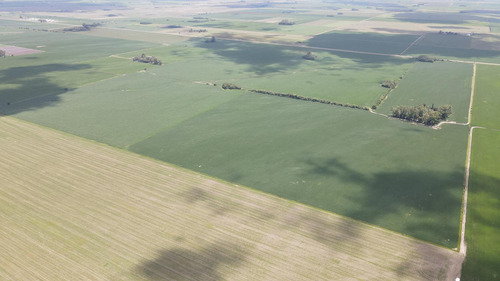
{"x": 463, "y": 246}
{"x": 412, "y": 43}
{"x": 472, "y": 89}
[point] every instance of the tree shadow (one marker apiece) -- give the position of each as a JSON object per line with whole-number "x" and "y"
{"x": 425, "y": 204}
{"x": 185, "y": 264}
{"x": 32, "y": 89}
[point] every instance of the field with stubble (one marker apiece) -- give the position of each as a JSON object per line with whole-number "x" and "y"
{"x": 72, "y": 207}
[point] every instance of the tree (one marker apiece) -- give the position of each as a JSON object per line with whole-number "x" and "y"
{"x": 445, "y": 111}
{"x": 230, "y": 86}
{"x": 391, "y": 84}
{"x": 309, "y": 56}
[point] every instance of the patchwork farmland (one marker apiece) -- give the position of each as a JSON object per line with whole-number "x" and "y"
{"x": 262, "y": 137}
{"x": 138, "y": 219}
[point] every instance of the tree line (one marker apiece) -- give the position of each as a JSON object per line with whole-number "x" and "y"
{"x": 422, "y": 114}
{"x": 230, "y": 86}
{"x": 84, "y": 27}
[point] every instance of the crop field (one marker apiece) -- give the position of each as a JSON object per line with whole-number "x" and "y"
{"x": 136, "y": 110}
{"x": 483, "y": 228}
{"x": 487, "y": 101}
{"x": 295, "y": 116}
{"x": 366, "y": 42}
{"x": 459, "y": 47}
{"x": 379, "y": 25}
{"x": 70, "y": 207}
{"x": 436, "y": 83}
{"x": 297, "y": 151}
{"x": 127, "y": 34}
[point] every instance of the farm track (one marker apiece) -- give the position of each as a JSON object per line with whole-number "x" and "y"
{"x": 75, "y": 209}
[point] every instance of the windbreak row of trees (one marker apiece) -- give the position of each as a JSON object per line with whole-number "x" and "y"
{"x": 298, "y": 97}
{"x": 84, "y": 27}
{"x": 422, "y": 114}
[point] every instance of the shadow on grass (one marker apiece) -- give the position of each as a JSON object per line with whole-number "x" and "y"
{"x": 186, "y": 264}
{"x": 31, "y": 88}
{"x": 363, "y": 42}
{"x": 443, "y": 18}
{"x": 423, "y": 204}
{"x": 262, "y": 58}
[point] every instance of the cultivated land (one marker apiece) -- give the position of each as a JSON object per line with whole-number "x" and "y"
{"x": 483, "y": 229}
{"x": 70, "y": 207}
{"x": 445, "y": 83}
{"x": 355, "y": 162}
{"x": 293, "y": 149}
{"x": 482, "y": 233}
{"x": 485, "y": 110}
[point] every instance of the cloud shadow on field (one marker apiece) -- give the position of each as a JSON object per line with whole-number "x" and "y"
{"x": 259, "y": 58}
{"x": 389, "y": 44}
{"x": 262, "y": 58}
{"x": 444, "y": 18}
{"x": 32, "y": 89}
{"x": 423, "y": 204}
{"x": 179, "y": 263}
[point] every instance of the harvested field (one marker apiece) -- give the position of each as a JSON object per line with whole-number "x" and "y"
{"x": 71, "y": 207}
{"x": 18, "y": 51}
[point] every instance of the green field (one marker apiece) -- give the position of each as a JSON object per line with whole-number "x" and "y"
{"x": 483, "y": 227}
{"x": 342, "y": 160}
{"x": 365, "y": 42}
{"x": 312, "y": 141}
{"x": 341, "y": 77}
{"x": 436, "y": 83}
{"x": 69, "y": 61}
{"x": 458, "y": 47}
{"x": 486, "y": 99}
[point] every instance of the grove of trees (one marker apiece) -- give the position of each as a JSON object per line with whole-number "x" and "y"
{"x": 147, "y": 59}
{"x": 422, "y": 114}
{"x": 426, "y": 58}
{"x": 84, "y": 27}
{"x": 286, "y": 22}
